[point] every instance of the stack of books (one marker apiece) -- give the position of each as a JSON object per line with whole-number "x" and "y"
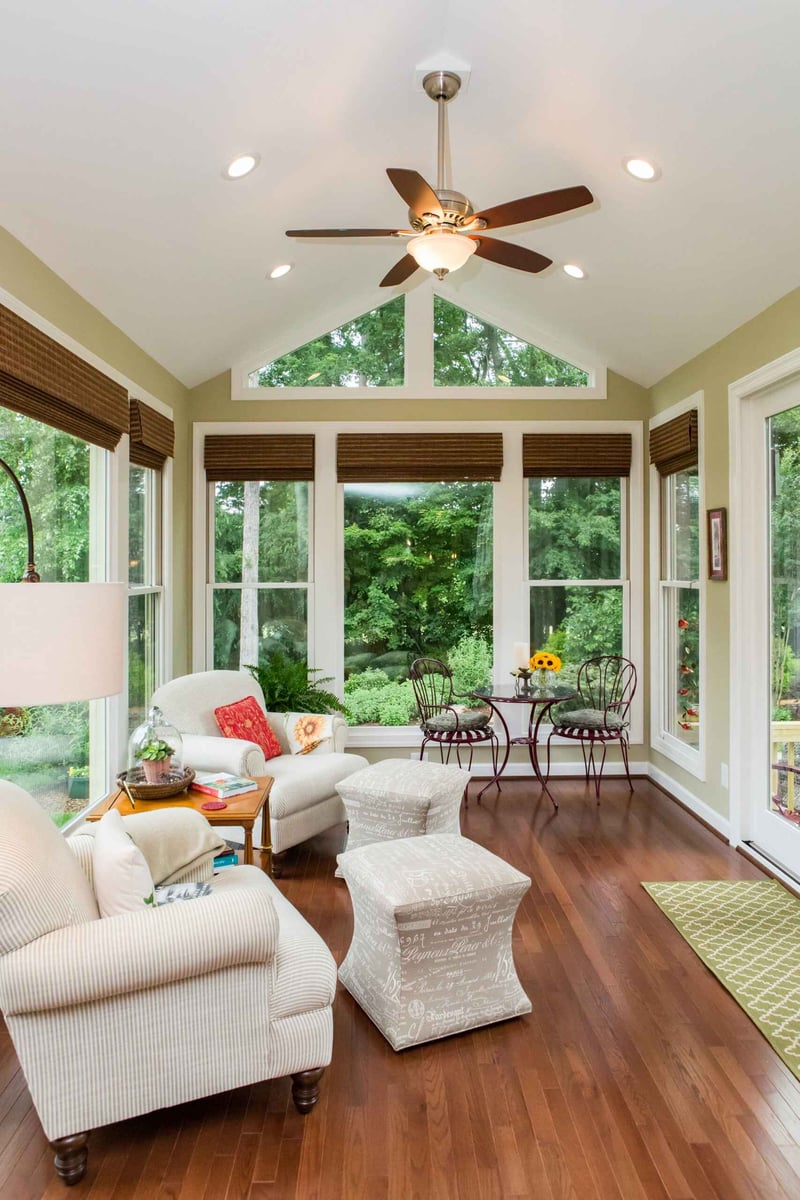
{"x": 228, "y": 858}
{"x": 221, "y": 785}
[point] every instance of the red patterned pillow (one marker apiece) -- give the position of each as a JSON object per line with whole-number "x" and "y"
{"x": 246, "y": 720}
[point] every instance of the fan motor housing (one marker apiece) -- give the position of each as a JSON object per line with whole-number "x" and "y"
{"x": 457, "y": 209}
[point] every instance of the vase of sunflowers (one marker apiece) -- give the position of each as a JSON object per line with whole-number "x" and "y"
{"x": 544, "y": 666}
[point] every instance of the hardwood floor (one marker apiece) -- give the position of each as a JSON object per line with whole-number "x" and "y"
{"x": 636, "y": 1077}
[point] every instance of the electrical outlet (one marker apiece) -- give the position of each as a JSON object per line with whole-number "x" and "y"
{"x": 723, "y": 774}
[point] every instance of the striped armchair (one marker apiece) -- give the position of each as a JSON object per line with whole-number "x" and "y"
{"x": 117, "y": 1016}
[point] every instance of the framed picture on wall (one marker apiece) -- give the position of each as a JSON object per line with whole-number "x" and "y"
{"x": 717, "y": 543}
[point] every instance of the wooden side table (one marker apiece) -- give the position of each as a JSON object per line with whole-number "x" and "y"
{"x": 241, "y": 810}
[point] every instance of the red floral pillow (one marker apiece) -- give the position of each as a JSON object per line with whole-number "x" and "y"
{"x": 246, "y": 720}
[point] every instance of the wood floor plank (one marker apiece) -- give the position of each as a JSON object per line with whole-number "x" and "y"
{"x": 635, "y": 1077}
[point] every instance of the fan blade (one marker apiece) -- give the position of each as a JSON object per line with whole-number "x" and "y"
{"x": 418, "y": 195}
{"x": 400, "y": 271}
{"x": 509, "y": 255}
{"x": 533, "y": 208}
{"x": 330, "y": 233}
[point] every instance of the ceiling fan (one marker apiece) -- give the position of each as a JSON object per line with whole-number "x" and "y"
{"x": 445, "y": 230}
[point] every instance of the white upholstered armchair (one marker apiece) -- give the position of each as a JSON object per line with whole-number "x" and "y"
{"x": 116, "y": 1016}
{"x": 303, "y": 800}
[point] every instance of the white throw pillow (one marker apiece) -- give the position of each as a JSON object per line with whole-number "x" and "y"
{"x": 307, "y": 732}
{"x": 122, "y": 879}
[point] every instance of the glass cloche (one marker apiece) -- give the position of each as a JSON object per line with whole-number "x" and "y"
{"x": 155, "y": 750}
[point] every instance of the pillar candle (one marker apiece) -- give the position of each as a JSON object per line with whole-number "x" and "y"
{"x": 522, "y": 654}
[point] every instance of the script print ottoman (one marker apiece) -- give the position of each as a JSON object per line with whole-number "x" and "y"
{"x": 431, "y": 950}
{"x": 401, "y": 798}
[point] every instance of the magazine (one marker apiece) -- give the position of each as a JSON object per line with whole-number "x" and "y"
{"x": 221, "y": 784}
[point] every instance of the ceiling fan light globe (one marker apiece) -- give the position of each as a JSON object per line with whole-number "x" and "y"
{"x": 441, "y": 251}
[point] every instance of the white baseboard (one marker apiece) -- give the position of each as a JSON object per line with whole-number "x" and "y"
{"x": 690, "y": 801}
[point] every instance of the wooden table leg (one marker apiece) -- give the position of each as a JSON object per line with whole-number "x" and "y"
{"x": 248, "y": 845}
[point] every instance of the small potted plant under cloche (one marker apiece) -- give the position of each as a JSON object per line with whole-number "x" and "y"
{"x": 156, "y": 756}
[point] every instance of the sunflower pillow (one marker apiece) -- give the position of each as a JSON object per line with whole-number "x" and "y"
{"x": 308, "y": 731}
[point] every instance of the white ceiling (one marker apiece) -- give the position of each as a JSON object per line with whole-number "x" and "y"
{"x": 117, "y": 119}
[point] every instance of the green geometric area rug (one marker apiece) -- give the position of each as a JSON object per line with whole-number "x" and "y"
{"x": 748, "y": 933}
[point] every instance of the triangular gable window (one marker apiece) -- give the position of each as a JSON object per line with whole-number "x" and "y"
{"x": 469, "y": 352}
{"x": 366, "y": 352}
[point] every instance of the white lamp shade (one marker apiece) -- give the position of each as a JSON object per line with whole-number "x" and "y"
{"x": 61, "y": 641}
{"x": 441, "y": 251}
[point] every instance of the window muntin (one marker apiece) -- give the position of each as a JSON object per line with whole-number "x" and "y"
{"x": 576, "y": 568}
{"x": 417, "y": 580}
{"x": 145, "y": 589}
{"x": 366, "y": 352}
{"x": 680, "y": 606}
{"x": 469, "y": 352}
{"x": 46, "y": 749}
{"x": 261, "y": 573}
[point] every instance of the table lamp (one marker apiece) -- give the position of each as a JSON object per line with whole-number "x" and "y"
{"x": 58, "y": 641}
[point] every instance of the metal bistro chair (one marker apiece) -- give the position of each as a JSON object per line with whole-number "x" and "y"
{"x": 441, "y": 721}
{"x": 599, "y": 715}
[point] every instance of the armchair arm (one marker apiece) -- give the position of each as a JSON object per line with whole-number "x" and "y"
{"x": 206, "y": 753}
{"x": 81, "y": 964}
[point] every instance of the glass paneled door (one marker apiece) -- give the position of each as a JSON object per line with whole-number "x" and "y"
{"x": 770, "y": 661}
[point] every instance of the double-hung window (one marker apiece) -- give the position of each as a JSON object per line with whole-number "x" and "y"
{"x": 260, "y": 549}
{"x": 576, "y": 546}
{"x": 677, "y": 651}
{"x": 152, "y": 443}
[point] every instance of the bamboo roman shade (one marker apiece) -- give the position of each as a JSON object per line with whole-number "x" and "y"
{"x": 42, "y": 379}
{"x": 152, "y": 436}
{"x": 418, "y": 457}
{"x": 673, "y": 446}
{"x": 259, "y": 456}
{"x": 547, "y": 455}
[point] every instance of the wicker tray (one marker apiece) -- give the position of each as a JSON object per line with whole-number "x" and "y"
{"x": 135, "y": 783}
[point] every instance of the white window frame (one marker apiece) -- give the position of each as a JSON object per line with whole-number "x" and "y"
{"x": 158, "y": 488}
{"x": 292, "y": 585}
{"x": 326, "y": 570}
{"x": 690, "y": 758}
{"x": 419, "y": 379}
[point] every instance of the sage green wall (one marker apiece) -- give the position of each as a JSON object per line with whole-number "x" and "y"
{"x": 28, "y": 279}
{"x": 772, "y": 333}
{"x": 211, "y": 401}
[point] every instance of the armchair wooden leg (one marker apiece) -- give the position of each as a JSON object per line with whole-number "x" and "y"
{"x": 305, "y": 1089}
{"x": 276, "y": 864}
{"x": 71, "y": 1155}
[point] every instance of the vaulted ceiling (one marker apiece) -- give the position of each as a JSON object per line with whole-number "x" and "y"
{"x": 119, "y": 118}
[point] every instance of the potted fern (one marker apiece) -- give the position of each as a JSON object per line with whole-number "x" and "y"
{"x": 289, "y": 686}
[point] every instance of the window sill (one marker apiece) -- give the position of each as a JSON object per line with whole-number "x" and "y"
{"x": 683, "y": 756}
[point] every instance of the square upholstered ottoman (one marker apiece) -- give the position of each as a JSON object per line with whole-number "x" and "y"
{"x": 431, "y": 950}
{"x": 402, "y": 798}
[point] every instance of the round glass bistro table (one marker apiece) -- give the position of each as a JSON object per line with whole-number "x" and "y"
{"x": 540, "y": 701}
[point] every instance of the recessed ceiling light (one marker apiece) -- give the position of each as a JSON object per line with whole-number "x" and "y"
{"x": 503, "y": 378}
{"x": 316, "y": 375}
{"x": 241, "y": 166}
{"x": 640, "y": 168}
{"x": 575, "y": 271}
{"x": 278, "y": 272}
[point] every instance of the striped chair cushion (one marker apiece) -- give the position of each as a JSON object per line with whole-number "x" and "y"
{"x": 590, "y": 718}
{"x": 446, "y": 722}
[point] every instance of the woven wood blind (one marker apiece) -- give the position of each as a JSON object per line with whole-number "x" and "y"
{"x": 44, "y": 380}
{"x": 673, "y": 447}
{"x": 152, "y": 436}
{"x": 259, "y": 456}
{"x": 546, "y": 455}
{"x": 418, "y": 457}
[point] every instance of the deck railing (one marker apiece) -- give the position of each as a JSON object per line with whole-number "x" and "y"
{"x": 785, "y": 736}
